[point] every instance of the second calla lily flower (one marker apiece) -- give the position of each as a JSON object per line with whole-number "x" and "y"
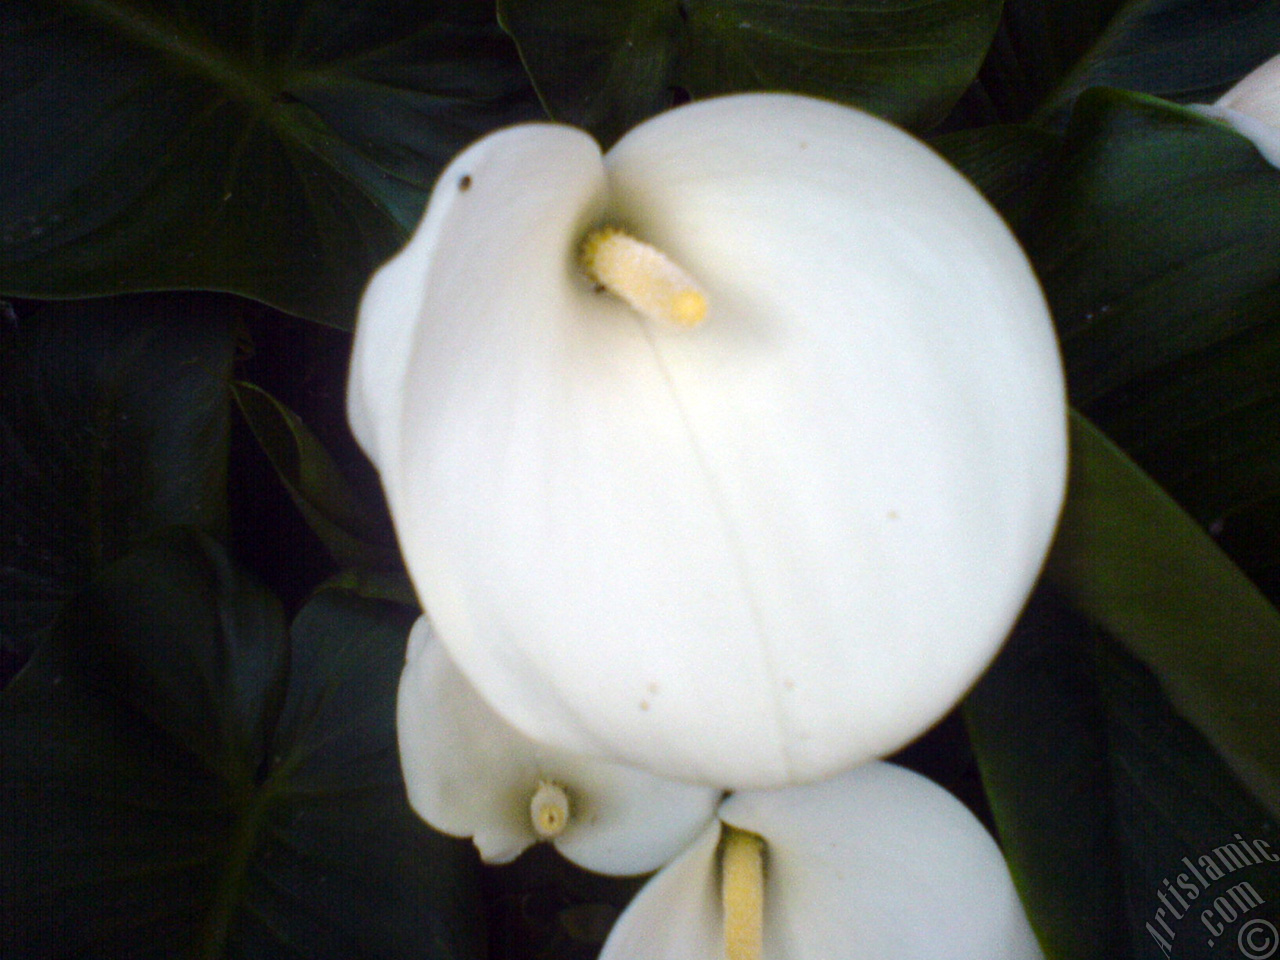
{"x": 876, "y": 864}
{"x": 731, "y": 454}
{"x": 468, "y": 774}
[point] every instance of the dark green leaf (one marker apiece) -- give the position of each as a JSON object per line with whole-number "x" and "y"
{"x": 1155, "y": 235}
{"x": 1129, "y": 558}
{"x": 1100, "y": 790}
{"x": 183, "y": 777}
{"x": 279, "y": 150}
{"x": 131, "y": 742}
{"x": 113, "y": 425}
{"x": 1180, "y": 818}
{"x": 1157, "y": 239}
{"x": 1008, "y": 164}
{"x": 1047, "y": 51}
{"x": 345, "y": 868}
{"x": 350, "y": 531}
{"x": 606, "y": 67}
{"x": 1039, "y": 731}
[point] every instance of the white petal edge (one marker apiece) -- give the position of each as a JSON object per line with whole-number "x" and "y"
{"x": 1258, "y": 93}
{"x": 387, "y": 323}
{"x": 1252, "y": 109}
{"x": 470, "y": 774}
{"x": 467, "y": 773}
{"x": 1264, "y": 135}
{"x": 616, "y": 589}
{"x": 876, "y": 864}
{"x": 677, "y": 914}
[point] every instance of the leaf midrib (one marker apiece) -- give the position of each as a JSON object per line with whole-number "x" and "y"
{"x": 178, "y": 44}
{"x": 252, "y": 806}
{"x": 257, "y": 85}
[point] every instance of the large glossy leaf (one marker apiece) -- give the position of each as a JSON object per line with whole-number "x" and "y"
{"x": 1155, "y": 234}
{"x": 274, "y": 149}
{"x": 1188, "y": 833}
{"x": 1039, "y": 731}
{"x": 181, "y": 776}
{"x": 1135, "y": 563}
{"x": 1100, "y": 790}
{"x": 113, "y": 425}
{"x": 1157, "y": 239}
{"x": 608, "y": 66}
{"x": 1047, "y": 51}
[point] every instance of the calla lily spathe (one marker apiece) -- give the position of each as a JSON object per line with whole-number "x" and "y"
{"x": 469, "y": 774}
{"x": 747, "y": 554}
{"x": 1252, "y": 107}
{"x": 876, "y": 864}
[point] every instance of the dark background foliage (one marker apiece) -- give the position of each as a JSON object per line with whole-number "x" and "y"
{"x": 203, "y": 611}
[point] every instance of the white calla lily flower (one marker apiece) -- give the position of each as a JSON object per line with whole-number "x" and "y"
{"x": 1252, "y": 107}
{"x": 878, "y": 863}
{"x": 469, "y": 774}
{"x": 748, "y": 551}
